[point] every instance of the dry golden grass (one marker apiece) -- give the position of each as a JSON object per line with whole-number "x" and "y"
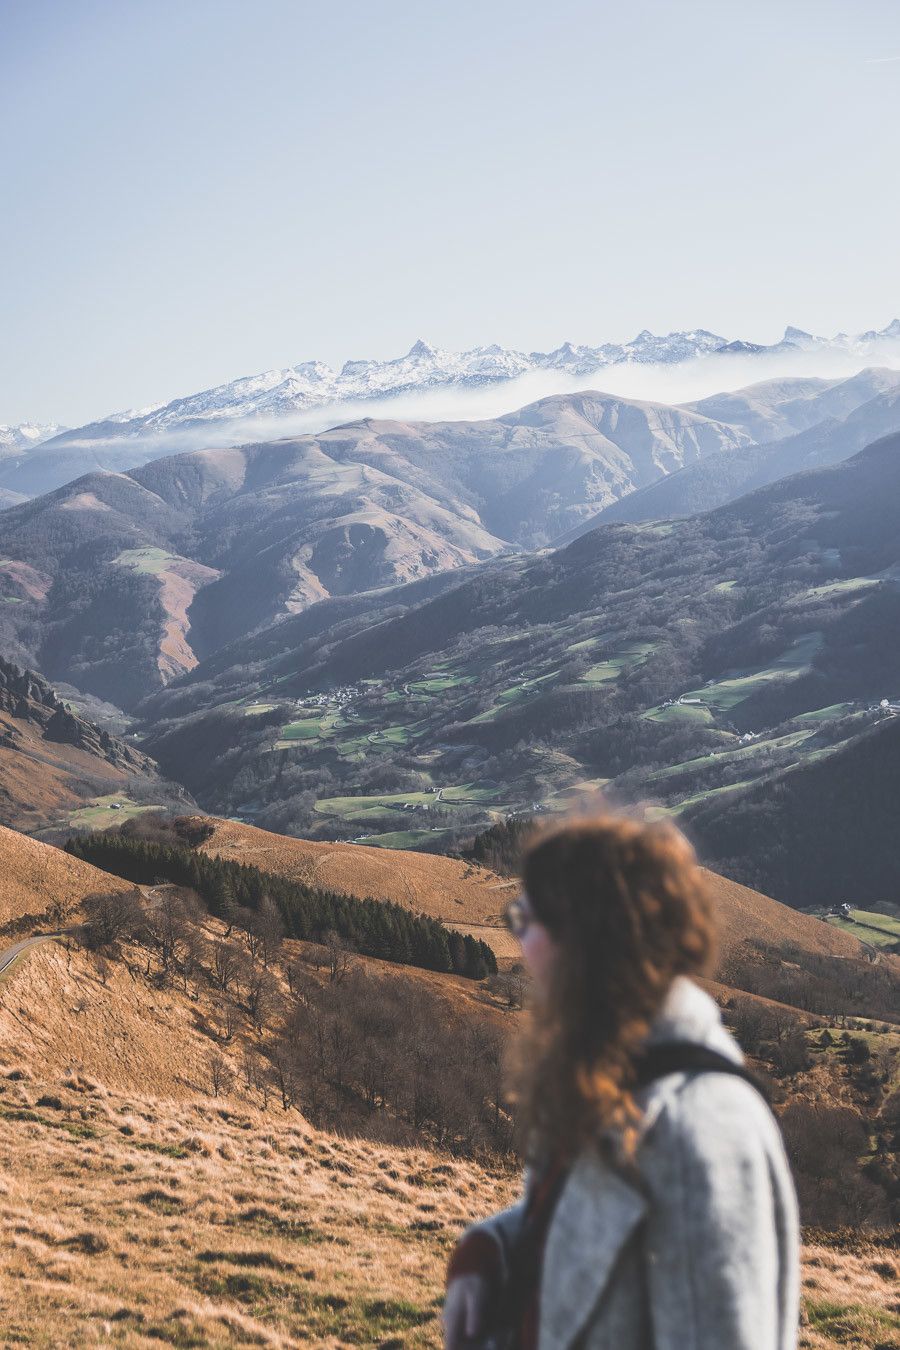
{"x": 461, "y": 894}
{"x": 744, "y": 913}
{"x": 133, "y": 1220}
{"x": 467, "y": 896}
{"x": 136, "y": 1221}
{"x": 42, "y": 781}
{"x": 137, "y": 1209}
{"x": 62, "y": 1008}
{"x": 34, "y": 876}
{"x": 850, "y": 1299}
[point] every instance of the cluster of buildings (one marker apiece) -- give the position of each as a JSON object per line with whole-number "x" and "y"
{"x": 344, "y": 694}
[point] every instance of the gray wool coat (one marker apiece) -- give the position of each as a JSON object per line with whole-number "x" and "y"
{"x": 697, "y": 1251}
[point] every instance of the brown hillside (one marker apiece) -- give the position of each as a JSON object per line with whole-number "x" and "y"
{"x": 35, "y": 877}
{"x": 460, "y": 894}
{"x": 42, "y": 783}
{"x": 62, "y": 1007}
{"x": 53, "y": 760}
{"x": 139, "y": 1208}
{"x": 467, "y": 896}
{"x": 744, "y": 914}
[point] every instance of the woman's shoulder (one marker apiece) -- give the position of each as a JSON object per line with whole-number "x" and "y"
{"x": 705, "y": 1118}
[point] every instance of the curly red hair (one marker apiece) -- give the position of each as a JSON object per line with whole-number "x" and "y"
{"x": 630, "y": 910}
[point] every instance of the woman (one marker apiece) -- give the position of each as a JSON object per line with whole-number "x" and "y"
{"x": 659, "y": 1212}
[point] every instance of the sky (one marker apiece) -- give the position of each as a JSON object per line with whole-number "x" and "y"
{"x": 196, "y": 190}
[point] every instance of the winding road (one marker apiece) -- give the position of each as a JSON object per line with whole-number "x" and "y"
{"x": 15, "y": 951}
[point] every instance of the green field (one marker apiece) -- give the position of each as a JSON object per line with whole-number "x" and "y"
{"x": 306, "y": 729}
{"x": 842, "y": 587}
{"x": 379, "y": 811}
{"x": 436, "y": 684}
{"x": 878, "y": 930}
{"x": 322, "y": 725}
{"x": 523, "y": 688}
{"x": 826, "y": 714}
{"x": 698, "y": 797}
{"x": 613, "y": 666}
{"x": 100, "y": 814}
{"x": 726, "y": 694}
{"x": 411, "y": 839}
{"x": 149, "y": 561}
{"x": 787, "y": 742}
{"x": 680, "y": 712}
{"x": 352, "y": 806}
{"x": 467, "y": 793}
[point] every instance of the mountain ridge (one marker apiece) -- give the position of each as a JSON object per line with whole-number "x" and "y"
{"x": 191, "y": 551}
{"x": 120, "y": 440}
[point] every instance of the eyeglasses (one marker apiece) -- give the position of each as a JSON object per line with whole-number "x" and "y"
{"x": 518, "y": 916}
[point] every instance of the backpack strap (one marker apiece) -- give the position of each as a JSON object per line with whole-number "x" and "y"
{"x": 666, "y": 1057}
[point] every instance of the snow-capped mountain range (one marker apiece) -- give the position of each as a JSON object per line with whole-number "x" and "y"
{"x": 312, "y": 385}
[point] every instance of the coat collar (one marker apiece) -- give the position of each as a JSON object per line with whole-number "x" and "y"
{"x": 596, "y": 1213}
{"x": 689, "y": 1014}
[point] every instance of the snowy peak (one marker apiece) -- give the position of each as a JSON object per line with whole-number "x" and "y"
{"x": 26, "y": 436}
{"x": 313, "y": 385}
{"x": 422, "y": 348}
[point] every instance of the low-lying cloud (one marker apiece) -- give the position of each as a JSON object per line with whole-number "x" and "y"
{"x": 677, "y": 383}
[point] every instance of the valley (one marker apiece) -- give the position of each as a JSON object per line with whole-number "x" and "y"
{"x": 289, "y": 664}
{"x": 681, "y": 665}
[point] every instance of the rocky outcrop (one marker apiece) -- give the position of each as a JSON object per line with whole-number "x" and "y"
{"x": 26, "y": 697}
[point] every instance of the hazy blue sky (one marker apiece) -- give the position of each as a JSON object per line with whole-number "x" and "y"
{"x": 200, "y": 189}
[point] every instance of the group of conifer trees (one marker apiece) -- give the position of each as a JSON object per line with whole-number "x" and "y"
{"x": 371, "y": 927}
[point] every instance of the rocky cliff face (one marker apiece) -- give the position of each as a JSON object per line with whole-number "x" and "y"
{"x": 27, "y": 698}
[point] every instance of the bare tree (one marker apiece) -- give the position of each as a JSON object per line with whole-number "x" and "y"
{"x": 220, "y": 1075}
{"x": 270, "y": 928}
{"x": 286, "y": 1069}
{"x": 229, "y": 1020}
{"x": 112, "y": 917}
{"x": 339, "y": 960}
{"x": 225, "y": 964}
{"x": 511, "y": 986}
{"x": 260, "y": 989}
{"x": 101, "y": 966}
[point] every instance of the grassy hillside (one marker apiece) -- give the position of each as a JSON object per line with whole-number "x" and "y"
{"x": 468, "y": 895}
{"x": 202, "y": 1198}
{"x": 807, "y": 832}
{"x": 468, "y": 898}
{"x": 877, "y": 930}
{"x": 239, "y": 1228}
{"x": 44, "y": 885}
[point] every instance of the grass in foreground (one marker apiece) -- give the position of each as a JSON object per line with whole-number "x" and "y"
{"x": 133, "y": 1221}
